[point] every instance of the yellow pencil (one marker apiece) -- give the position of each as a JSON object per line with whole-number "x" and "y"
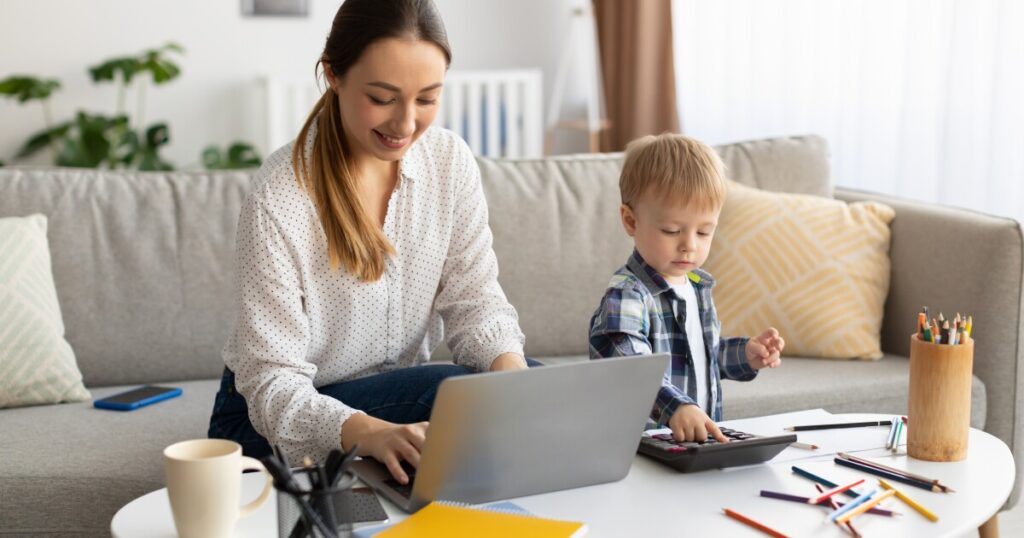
{"x": 909, "y": 502}
{"x": 866, "y": 506}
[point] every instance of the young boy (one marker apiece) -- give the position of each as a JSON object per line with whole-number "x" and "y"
{"x": 672, "y": 190}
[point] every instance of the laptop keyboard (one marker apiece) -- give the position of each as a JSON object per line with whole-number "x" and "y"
{"x": 405, "y": 490}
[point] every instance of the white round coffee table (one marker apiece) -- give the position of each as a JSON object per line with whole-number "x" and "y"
{"x": 653, "y": 500}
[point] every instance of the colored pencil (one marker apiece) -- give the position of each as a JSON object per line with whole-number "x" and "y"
{"x": 896, "y": 437}
{"x": 750, "y": 522}
{"x": 768, "y": 494}
{"x": 835, "y": 506}
{"x": 827, "y": 483}
{"x": 809, "y": 427}
{"x": 909, "y": 502}
{"x": 892, "y": 436}
{"x": 852, "y": 504}
{"x": 887, "y": 474}
{"x": 866, "y": 506}
{"x": 805, "y": 446}
{"x": 833, "y": 491}
{"x": 894, "y": 470}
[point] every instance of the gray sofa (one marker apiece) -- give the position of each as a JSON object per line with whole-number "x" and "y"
{"x": 143, "y": 269}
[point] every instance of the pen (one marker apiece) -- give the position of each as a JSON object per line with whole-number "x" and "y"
{"x": 808, "y": 427}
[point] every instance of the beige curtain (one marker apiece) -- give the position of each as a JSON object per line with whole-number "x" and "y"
{"x": 635, "y": 42}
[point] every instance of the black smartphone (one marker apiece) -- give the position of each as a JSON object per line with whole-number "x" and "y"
{"x": 136, "y": 398}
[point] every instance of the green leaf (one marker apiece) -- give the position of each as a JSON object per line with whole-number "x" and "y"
{"x": 243, "y": 155}
{"x": 149, "y": 158}
{"x": 157, "y": 135}
{"x": 239, "y": 155}
{"x": 106, "y": 71}
{"x": 172, "y": 46}
{"x": 26, "y": 88}
{"x": 162, "y": 70}
{"x": 88, "y": 145}
{"x": 42, "y": 139}
{"x": 212, "y": 158}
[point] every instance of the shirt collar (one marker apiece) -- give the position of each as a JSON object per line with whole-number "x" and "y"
{"x": 656, "y": 283}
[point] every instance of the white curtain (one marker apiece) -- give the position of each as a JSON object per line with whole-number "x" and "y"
{"x": 918, "y": 98}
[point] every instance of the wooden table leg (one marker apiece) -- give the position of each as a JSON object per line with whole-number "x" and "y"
{"x": 990, "y": 528}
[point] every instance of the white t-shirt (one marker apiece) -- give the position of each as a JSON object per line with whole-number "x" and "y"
{"x": 302, "y": 325}
{"x": 695, "y": 337}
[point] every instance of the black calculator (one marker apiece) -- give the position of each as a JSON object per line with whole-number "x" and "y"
{"x": 690, "y": 456}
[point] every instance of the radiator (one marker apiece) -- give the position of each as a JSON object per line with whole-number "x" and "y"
{"x": 498, "y": 113}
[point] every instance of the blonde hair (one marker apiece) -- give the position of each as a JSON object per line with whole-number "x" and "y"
{"x": 354, "y": 240}
{"x": 673, "y": 166}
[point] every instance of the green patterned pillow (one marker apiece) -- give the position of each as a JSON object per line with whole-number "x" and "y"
{"x": 37, "y": 366}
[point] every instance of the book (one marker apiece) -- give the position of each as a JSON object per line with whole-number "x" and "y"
{"x": 508, "y": 507}
{"x": 457, "y": 521}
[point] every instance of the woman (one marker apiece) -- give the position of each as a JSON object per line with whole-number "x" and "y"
{"x": 357, "y": 241}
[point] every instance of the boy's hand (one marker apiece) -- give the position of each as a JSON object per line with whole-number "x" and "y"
{"x": 690, "y": 423}
{"x": 764, "y": 351}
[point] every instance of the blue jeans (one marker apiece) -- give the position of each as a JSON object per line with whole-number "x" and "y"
{"x": 400, "y": 396}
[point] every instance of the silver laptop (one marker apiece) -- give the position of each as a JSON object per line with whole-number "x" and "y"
{"x": 500, "y": 435}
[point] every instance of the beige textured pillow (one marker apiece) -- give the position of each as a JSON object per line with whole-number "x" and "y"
{"x": 37, "y": 365}
{"x": 815, "y": 268}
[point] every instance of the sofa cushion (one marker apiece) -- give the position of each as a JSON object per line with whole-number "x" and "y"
{"x": 815, "y": 268}
{"x": 37, "y": 366}
{"x": 74, "y": 474}
{"x": 143, "y": 263}
{"x": 558, "y": 237}
{"x": 836, "y": 386}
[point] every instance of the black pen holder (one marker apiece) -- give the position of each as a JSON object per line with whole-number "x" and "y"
{"x": 296, "y": 510}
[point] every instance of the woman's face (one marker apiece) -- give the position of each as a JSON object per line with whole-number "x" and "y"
{"x": 389, "y": 97}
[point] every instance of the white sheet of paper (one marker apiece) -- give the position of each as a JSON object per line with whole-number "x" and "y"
{"x": 830, "y": 442}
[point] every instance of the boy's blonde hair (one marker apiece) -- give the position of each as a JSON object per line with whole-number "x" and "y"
{"x": 673, "y": 166}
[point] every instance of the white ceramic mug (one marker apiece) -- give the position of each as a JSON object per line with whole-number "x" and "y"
{"x": 203, "y": 483}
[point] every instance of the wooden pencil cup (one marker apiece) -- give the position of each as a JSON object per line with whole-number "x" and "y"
{"x": 939, "y": 407}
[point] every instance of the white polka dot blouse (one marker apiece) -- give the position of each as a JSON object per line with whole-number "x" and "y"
{"x": 302, "y": 325}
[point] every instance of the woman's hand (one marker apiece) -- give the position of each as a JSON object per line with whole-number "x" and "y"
{"x": 385, "y": 442}
{"x": 508, "y": 361}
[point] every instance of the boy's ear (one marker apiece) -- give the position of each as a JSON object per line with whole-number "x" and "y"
{"x": 628, "y": 219}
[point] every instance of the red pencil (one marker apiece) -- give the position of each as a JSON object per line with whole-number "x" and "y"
{"x": 759, "y": 526}
{"x": 833, "y": 491}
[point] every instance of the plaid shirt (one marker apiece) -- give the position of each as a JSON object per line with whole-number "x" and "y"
{"x": 641, "y": 314}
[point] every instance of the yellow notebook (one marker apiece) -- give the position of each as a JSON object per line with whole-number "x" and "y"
{"x": 449, "y": 521}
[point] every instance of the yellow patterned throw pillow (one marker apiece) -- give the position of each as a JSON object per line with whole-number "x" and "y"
{"x": 815, "y": 268}
{"x": 37, "y": 365}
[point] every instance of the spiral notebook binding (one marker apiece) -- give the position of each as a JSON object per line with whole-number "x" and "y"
{"x": 500, "y": 507}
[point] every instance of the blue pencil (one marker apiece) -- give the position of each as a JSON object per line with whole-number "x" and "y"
{"x": 815, "y": 478}
{"x": 851, "y": 505}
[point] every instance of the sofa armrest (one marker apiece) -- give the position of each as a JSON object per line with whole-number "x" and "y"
{"x": 955, "y": 260}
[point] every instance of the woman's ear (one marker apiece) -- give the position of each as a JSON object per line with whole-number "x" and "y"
{"x": 332, "y": 81}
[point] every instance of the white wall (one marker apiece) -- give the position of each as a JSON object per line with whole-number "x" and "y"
{"x": 225, "y": 52}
